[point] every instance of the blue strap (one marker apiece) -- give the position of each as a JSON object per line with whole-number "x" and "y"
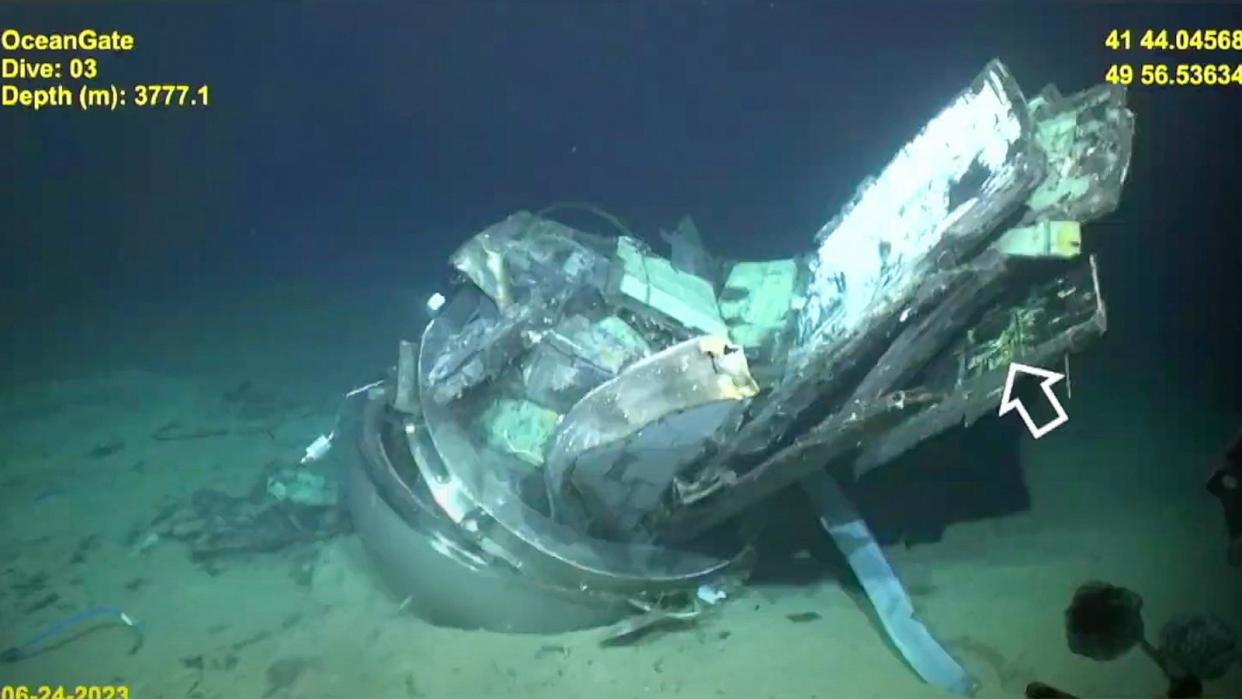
{"x": 60, "y": 628}
{"x": 915, "y": 642}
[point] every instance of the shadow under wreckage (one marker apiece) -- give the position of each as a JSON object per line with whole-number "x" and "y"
{"x": 586, "y": 432}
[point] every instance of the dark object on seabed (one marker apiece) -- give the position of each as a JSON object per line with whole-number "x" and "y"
{"x": 216, "y": 524}
{"x": 1226, "y": 485}
{"x": 1184, "y": 687}
{"x": 1201, "y": 645}
{"x": 1187, "y": 687}
{"x": 1104, "y": 621}
{"x": 1039, "y": 690}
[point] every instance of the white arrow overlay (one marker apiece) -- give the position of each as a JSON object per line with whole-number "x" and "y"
{"x": 1008, "y": 402}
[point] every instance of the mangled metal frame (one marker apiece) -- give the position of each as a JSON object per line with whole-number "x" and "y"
{"x": 529, "y": 540}
{"x": 866, "y": 384}
{"x": 919, "y": 294}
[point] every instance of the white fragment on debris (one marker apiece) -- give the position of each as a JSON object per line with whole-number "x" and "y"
{"x": 316, "y": 450}
{"x": 360, "y": 389}
{"x": 878, "y": 246}
{"x": 710, "y": 594}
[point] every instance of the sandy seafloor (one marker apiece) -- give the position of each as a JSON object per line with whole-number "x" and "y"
{"x": 994, "y": 589}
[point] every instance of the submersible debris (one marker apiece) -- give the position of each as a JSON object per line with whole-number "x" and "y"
{"x": 663, "y": 614}
{"x": 1198, "y": 644}
{"x": 286, "y": 508}
{"x": 590, "y": 424}
{"x": 1226, "y": 484}
{"x": 76, "y": 622}
{"x": 1104, "y": 621}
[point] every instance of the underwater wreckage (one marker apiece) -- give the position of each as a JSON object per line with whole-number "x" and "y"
{"x": 585, "y": 431}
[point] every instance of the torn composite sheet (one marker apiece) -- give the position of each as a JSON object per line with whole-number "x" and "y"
{"x": 960, "y": 173}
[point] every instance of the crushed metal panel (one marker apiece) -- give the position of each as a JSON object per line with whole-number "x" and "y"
{"x": 757, "y": 299}
{"x": 651, "y": 284}
{"x": 1044, "y": 239}
{"x": 516, "y": 260}
{"x": 1058, "y": 317}
{"x": 1039, "y": 104}
{"x": 940, "y": 199}
{"x": 543, "y": 265}
{"x": 519, "y": 427}
{"x": 975, "y": 150}
{"x": 444, "y": 489}
{"x": 477, "y": 354}
{"x": 618, "y": 485}
{"x": 625, "y": 344}
{"x": 687, "y": 252}
{"x": 482, "y": 260}
{"x": 405, "y": 397}
{"x": 619, "y": 449}
{"x": 973, "y": 288}
{"x": 1010, "y": 332}
{"x": 576, "y": 356}
{"x": 1087, "y": 139}
{"x": 533, "y": 543}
